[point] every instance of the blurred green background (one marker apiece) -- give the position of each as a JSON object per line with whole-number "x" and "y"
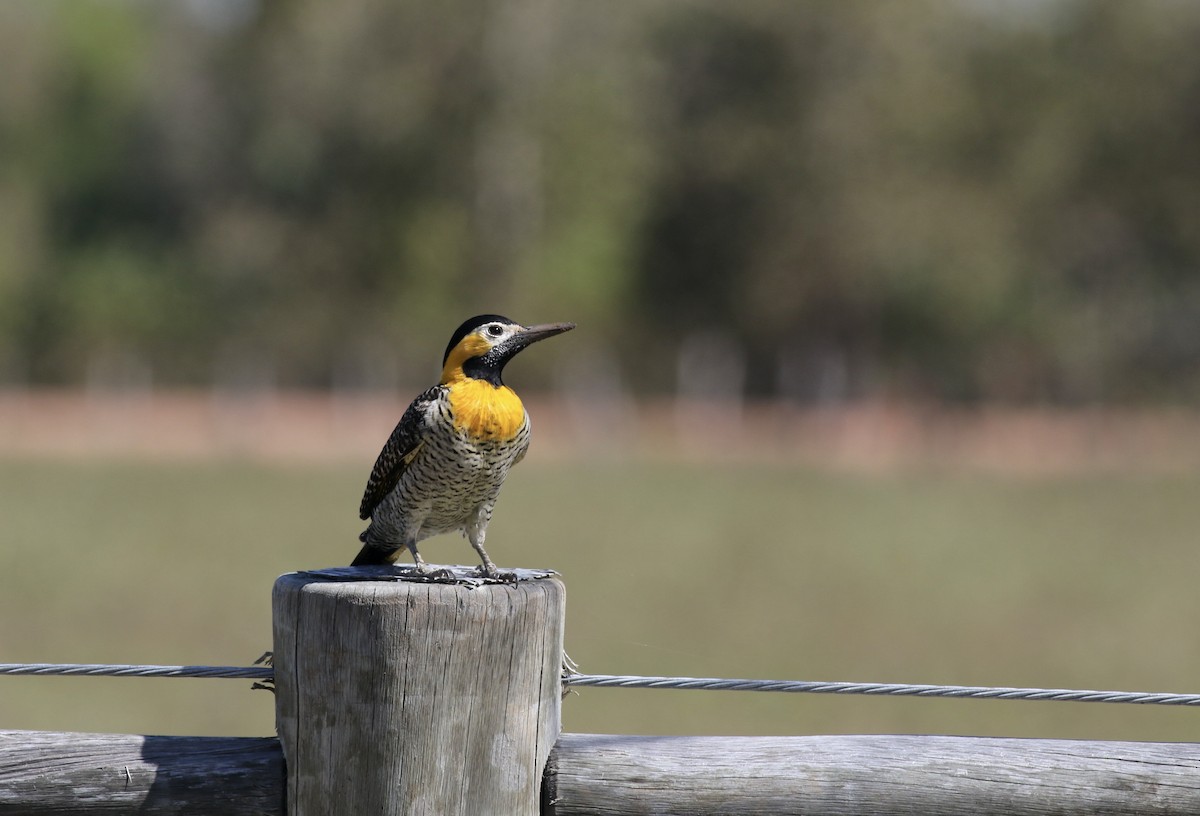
{"x": 734, "y": 571}
{"x": 961, "y": 199}
{"x": 887, "y": 363}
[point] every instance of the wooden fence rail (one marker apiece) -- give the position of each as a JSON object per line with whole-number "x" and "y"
{"x": 42, "y": 772}
{"x": 46, "y": 773}
{"x": 404, "y": 698}
{"x": 597, "y": 774}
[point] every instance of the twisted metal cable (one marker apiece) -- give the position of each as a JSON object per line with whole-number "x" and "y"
{"x": 576, "y": 680}
{"x": 123, "y": 670}
{"x": 880, "y": 689}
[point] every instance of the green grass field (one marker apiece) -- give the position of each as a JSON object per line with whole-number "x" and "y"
{"x": 735, "y": 571}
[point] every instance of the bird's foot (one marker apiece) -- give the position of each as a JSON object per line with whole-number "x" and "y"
{"x": 491, "y": 572}
{"x": 435, "y": 573}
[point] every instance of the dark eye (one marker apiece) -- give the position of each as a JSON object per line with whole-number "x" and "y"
{"x": 495, "y": 330}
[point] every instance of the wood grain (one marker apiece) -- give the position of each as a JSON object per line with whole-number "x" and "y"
{"x": 396, "y": 697}
{"x": 601, "y": 775}
{"x": 43, "y": 772}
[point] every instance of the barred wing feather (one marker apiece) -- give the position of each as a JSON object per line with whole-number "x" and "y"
{"x": 401, "y": 448}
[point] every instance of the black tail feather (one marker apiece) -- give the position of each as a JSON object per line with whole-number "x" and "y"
{"x": 371, "y": 555}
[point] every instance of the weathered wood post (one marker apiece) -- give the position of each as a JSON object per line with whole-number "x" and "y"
{"x": 394, "y": 697}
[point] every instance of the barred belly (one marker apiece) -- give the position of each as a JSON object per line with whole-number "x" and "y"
{"x": 453, "y": 482}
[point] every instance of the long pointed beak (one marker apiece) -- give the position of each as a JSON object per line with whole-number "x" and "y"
{"x": 531, "y": 334}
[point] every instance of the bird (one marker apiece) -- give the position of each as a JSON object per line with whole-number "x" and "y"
{"x": 442, "y": 468}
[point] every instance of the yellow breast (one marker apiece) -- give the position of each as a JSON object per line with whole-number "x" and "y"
{"x": 484, "y": 411}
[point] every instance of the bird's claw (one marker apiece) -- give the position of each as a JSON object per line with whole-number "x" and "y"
{"x": 493, "y": 573}
{"x": 437, "y": 574}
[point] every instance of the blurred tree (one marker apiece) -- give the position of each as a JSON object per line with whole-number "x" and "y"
{"x": 958, "y": 200}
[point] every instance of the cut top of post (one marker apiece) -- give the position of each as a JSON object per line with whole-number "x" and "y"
{"x": 447, "y": 574}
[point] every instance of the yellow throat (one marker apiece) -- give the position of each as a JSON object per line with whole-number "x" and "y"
{"x": 481, "y": 410}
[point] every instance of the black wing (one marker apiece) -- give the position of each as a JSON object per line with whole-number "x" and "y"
{"x": 398, "y": 453}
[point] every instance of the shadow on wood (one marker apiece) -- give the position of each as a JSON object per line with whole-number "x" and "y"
{"x": 52, "y": 773}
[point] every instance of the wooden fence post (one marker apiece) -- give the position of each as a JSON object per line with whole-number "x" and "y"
{"x": 395, "y": 697}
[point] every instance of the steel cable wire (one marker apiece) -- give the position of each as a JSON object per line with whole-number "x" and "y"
{"x": 578, "y": 680}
